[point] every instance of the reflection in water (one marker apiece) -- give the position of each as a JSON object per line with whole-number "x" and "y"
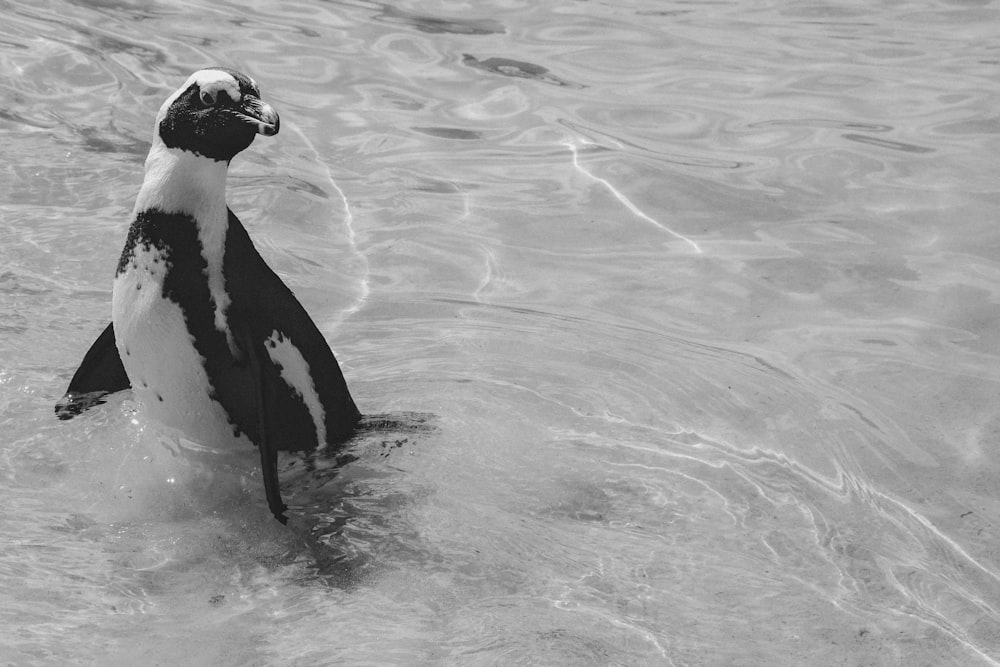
{"x": 886, "y": 143}
{"x": 450, "y": 133}
{"x": 707, "y": 325}
{"x": 345, "y": 518}
{"x": 822, "y": 122}
{"x": 516, "y": 68}
{"x": 433, "y": 25}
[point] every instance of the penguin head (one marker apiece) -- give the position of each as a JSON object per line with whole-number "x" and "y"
{"x": 215, "y": 114}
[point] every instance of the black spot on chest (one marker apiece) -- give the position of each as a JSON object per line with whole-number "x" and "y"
{"x": 175, "y": 235}
{"x": 185, "y": 282}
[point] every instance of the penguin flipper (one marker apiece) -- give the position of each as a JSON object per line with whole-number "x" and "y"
{"x": 100, "y": 373}
{"x": 264, "y": 377}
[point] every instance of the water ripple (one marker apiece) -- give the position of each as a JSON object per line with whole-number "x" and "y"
{"x": 702, "y": 295}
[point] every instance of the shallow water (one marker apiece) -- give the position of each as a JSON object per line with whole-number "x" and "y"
{"x": 701, "y": 298}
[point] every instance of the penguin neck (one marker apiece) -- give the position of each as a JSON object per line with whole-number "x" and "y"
{"x": 179, "y": 181}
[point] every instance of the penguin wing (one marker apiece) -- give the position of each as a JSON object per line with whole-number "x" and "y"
{"x": 100, "y": 373}
{"x": 301, "y": 400}
{"x": 310, "y": 404}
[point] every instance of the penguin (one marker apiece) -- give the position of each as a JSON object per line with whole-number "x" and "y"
{"x": 208, "y": 337}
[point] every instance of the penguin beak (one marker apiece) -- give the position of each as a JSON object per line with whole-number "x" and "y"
{"x": 260, "y": 115}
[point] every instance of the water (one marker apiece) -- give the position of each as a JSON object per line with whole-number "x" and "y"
{"x": 701, "y": 299}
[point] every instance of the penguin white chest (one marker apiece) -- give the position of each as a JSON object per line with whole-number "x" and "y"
{"x": 167, "y": 372}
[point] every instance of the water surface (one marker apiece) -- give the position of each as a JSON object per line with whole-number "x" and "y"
{"x": 701, "y": 297}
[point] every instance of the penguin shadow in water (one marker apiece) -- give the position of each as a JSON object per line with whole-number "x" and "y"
{"x": 347, "y": 502}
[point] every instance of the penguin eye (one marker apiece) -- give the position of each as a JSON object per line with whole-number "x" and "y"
{"x": 207, "y": 97}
